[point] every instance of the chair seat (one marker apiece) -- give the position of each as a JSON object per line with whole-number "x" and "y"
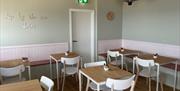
{"x": 113, "y": 63}
{"x": 110, "y": 90}
{"x": 145, "y": 73}
{"x": 12, "y": 80}
{"x": 118, "y": 62}
{"x": 70, "y": 70}
{"x": 93, "y": 86}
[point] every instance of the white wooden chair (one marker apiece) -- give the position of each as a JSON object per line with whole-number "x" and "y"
{"x": 92, "y": 85}
{"x": 120, "y": 84}
{"x": 115, "y": 55}
{"x": 46, "y": 83}
{"x": 70, "y": 67}
{"x": 148, "y": 70}
{"x": 13, "y": 74}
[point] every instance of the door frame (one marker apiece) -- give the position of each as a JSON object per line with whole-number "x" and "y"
{"x": 93, "y": 31}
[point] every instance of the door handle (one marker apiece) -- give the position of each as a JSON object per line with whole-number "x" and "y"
{"x": 74, "y": 41}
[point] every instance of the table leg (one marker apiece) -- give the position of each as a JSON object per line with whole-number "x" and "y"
{"x": 175, "y": 74}
{"x": 133, "y": 65}
{"x": 122, "y": 61}
{"x": 29, "y": 72}
{"x": 80, "y": 88}
{"x": 157, "y": 82}
{"x": 57, "y": 72}
{"x": 98, "y": 87}
{"x": 50, "y": 65}
{"x": 87, "y": 85}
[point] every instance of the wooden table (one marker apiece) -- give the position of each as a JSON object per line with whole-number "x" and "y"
{"x": 160, "y": 60}
{"x": 16, "y": 62}
{"x": 57, "y": 58}
{"x": 123, "y": 53}
{"x": 99, "y": 76}
{"x": 31, "y": 85}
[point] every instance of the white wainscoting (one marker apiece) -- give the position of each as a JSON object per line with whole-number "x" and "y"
{"x": 33, "y": 52}
{"x": 105, "y": 45}
{"x": 162, "y": 49}
{"x": 42, "y": 51}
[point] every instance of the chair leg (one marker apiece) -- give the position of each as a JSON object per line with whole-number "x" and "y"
{"x": 1, "y": 79}
{"x": 64, "y": 77}
{"x": 161, "y": 83}
{"x": 61, "y": 77}
{"x": 76, "y": 75}
{"x": 147, "y": 80}
{"x": 149, "y": 84}
{"x": 136, "y": 79}
{"x": 126, "y": 67}
{"x": 87, "y": 85}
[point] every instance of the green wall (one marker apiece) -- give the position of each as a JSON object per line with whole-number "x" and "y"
{"x": 108, "y": 30}
{"x": 50, "y": 25}
{"x": 152, "y": 21}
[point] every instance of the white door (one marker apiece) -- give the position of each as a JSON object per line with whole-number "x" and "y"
{"x": 82, "y": 33}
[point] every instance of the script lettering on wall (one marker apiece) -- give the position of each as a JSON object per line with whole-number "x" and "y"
{"x": 28, "y": 21}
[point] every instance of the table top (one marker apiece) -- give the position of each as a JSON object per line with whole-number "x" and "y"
{"x": 31, "y": 85}
{"x": 160, "y": 59}
{"x": 125, "y": 51}
{"x": 58, "y": 56}
{"x": 14, "y": 62}
{"x": 99, "y": 75}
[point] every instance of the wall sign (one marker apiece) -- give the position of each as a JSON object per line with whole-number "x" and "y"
{"x": 83, "y": 1}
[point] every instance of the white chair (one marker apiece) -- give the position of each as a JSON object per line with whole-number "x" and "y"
{"x": 46, "y": 83}
{"x": 92, "y": 85}
{"x": 115, "y": 61}
{"x": 94, "y": 64}
{"x": 120, "y": 84}
{"x": 13, "y": 74}
{"x": 70, "y": 67}
{"x": 147, "y": 70}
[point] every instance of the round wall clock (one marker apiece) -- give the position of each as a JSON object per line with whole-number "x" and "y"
{"x": 110, "y": 16}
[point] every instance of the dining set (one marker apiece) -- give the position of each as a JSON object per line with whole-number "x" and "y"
{"x": 115, "y": 68}
{"x": 112, "y": 73}
{"x": 11, "y": 78}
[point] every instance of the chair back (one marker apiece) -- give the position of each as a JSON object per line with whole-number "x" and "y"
{"x": 113, "y": 53}
{"x": 46, "y": 83}
{"x": 13, "y": 71}
{"x": 93, "y": 64}
{"x": 70, "y": 61}
{"x": 119, "y": 84}
{"x": 144, "y": 62}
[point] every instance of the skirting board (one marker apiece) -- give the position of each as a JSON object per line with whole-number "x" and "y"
{"x": 34, "y": 52}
